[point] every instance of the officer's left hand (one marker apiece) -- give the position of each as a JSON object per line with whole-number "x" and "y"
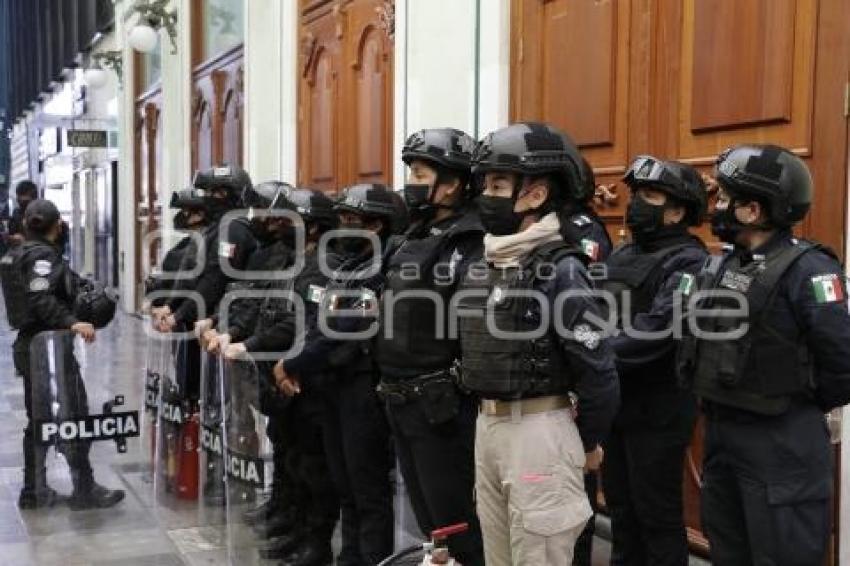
{"x": 593, "y": 460}
{"x": 217, "y": 343}
{"x": 235, "y": 351}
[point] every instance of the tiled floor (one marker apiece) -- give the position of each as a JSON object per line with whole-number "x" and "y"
{"x": 141, "y": 531}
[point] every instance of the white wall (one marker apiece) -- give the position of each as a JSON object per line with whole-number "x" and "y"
{"x": 271, "y": 78}
{"x": 452, "y": 64}
{"x": 126, "y": 197}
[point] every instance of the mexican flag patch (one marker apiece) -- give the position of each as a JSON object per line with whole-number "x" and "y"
{"x": 590, "y": 249}
{"x": 686, "y": 284}
{"x": 828, "y": 288}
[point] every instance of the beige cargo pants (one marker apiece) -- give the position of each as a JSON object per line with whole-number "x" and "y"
{"x": 529, "y": 483}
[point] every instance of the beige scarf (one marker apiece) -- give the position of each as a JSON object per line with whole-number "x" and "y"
{"x": 507, "y": 251}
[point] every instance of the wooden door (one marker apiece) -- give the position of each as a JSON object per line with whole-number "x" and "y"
{"x": 147, "y": 160}
{"x": 345, "y": 93}
{"x": 684, "y": 79}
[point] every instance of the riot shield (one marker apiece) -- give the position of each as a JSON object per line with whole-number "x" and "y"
{"x": 212, "y": 487}
{"x": 247, "y": 455}
{"x": 89, "y": 414}
{"x": 156, "y": 358}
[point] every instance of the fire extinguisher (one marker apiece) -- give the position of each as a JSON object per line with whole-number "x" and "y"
{"x": 187, "y": 476}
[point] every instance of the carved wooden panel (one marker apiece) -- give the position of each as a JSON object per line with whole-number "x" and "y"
{"x": 345, "y": 93}
{"x": 744, "y": 68}
{"x": 372, "y": 81}
{"x": 147, "y": 161}
{"x": 202, "y": 129}
{"x": 232, "y": 116}
{"x": 217, "y": 111}
{"x": 559, "y": 79}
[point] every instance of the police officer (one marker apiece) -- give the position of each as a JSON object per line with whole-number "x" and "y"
{"x": 777, "y": 362}
{"x": 644, "y": 454}
{"x": 304, "y": 498}
{"x": 191, "y": 217}
{"x": 582, "y": 226}
{"x": 527, "y": 344}
{"x": 221, "y": 189}
{"x": 432, "y": 420}
{"x": 25, "y": 193}
{"x": 43, "y": 292}
{"x": 356, "y": 433}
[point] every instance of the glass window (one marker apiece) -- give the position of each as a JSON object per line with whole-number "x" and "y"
{"x": 223, "y": 22}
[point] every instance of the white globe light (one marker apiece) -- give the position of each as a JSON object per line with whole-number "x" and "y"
{"x": 96, "y": 78}
{"x": 143, "y": 38}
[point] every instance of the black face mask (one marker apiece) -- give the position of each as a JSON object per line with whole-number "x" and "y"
{"x": 644, "y": 219}
{"x": 417, "y": 197}
{"x": 217, "y": 206}
{"x": 497, "y": 215}
{"x": 352, "y": 245}
{"x": 724, "y": 225}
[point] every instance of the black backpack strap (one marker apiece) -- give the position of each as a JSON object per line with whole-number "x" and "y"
{"x": 763, "y": 288}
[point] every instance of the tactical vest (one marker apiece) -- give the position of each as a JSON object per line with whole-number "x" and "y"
{"x": 763, "y": 371}
{"x": 409, "y": 340}
{"x": 351, "y": 295}
{"x": 633, "y": 275}
{"x": 14, "y": 287}
{"x": 512, "y": 368}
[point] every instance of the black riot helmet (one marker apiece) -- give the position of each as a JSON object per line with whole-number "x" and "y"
{"x": 375, "y": 201}
{"x": 187, "y": 201}
{"x": 771, "y": 175}
{"x": 40, "y": 216}
{"x": 447, "y": 147}
{"x": 94, "y": 304}
{"x": 189, "y": 198}
{"x": 233, "y": 180}
{"x": 270, "y": 195}
{"x": 533, "y": 149}
{"x": 314, "y": 206}
{"x": 679, "y": 181}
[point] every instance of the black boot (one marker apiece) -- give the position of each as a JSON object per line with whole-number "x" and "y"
{"x": 282, "y": 521}
{"x": 282, "y": 546}
{"x": 261, "y": 513}
{"x": 36, "y": 493}
{"x": 92, "y": 495}
{"x": 312, "y": 552}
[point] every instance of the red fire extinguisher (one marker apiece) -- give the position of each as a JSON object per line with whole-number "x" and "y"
{"x": 187, "y": 474}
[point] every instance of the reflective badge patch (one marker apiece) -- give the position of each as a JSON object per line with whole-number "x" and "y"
{"x": 581, "y": 220}
{"x": 39, "y": 284}
{"x": 315, "y": 294}
{"x": 736, "y": 281}
{"x": 828, "y": 288}
{"x": 226, "y": 249}
{"x": 42, "y": 267}
{"x": 590, "y": 249}
{"x": 498, "y": 295}
{"x": 221, "y": 171}
{"x": 686, "y": 284}
{"x": 586, "y": 336}
{"x": 456, "y": 258}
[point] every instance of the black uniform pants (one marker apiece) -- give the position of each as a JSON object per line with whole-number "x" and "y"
{"x": 767, "y": 483}
{"x": 438, "y": 465}
{"x": 356, "y": 438}
{"x": 642, "y": 475}
{"x": 307, "y": 466}
{"x": 69, "y": 392}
